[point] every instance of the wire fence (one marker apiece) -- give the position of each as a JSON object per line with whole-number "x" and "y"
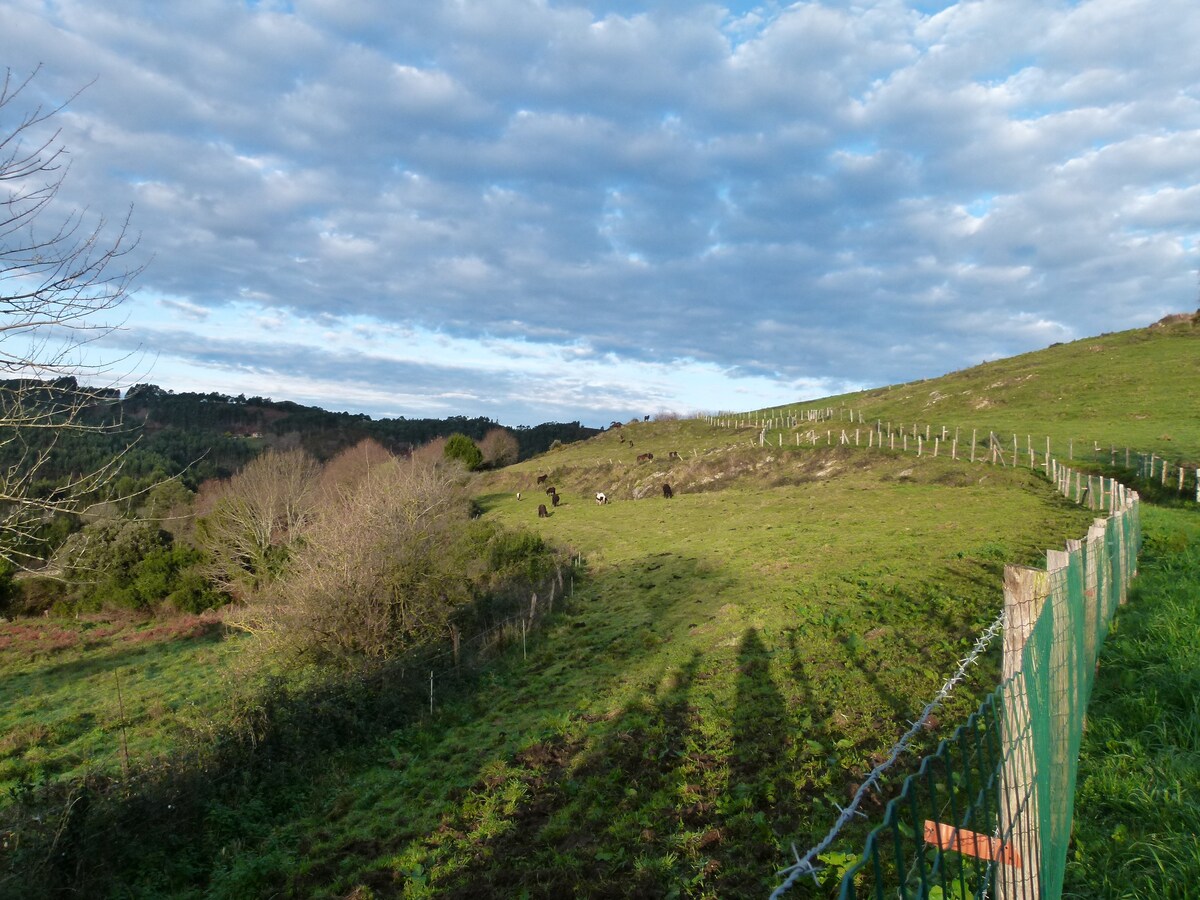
{"x": 61, "y": 837}
{"x": 842, "y": 426}
{"x": 988, "y": 813}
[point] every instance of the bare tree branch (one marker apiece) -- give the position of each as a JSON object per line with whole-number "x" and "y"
{"x": 61, "y": 280}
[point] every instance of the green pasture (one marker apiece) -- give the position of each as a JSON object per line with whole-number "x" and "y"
{"x": 75, "y": 698}
{"x": 721, "y": 671}
{"x": 729, "y": 663}
{"x": 1133, "y": 389}
{"x": 1137, "y": 809}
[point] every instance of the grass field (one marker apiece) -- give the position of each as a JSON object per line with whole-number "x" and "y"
{"x": 76, "y": 697}
{"x": 1128, "y": 389}
{"x": 730, "y": 663}
{"x": 1137, "y": 815}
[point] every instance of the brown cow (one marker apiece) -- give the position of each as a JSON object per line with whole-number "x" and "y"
{"x": 551, "y": 490}
{"x": 645, "y": 457}
{"x": 554, "y": 498}
{"x": 542, "y": 479}
{"x": 543, "y": 513}
{"x": 667, "y": 492}
{"x": 672, "y": 455}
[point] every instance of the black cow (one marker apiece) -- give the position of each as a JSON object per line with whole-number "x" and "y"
{"x": 543, "y": 513}
{"x": 667, "y": 492}
{"x": 554, "y": 498}
{"x": 645, "y": 457}
{"x": 542, "y": 479}
{"x": 551, "y": 490}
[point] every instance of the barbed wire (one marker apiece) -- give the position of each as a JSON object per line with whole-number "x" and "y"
{"x": 804, "y": 864}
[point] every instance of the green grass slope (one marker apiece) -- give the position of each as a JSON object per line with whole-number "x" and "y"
{"x": 730, "y": 663}
{"x": 1136, "y": 833}
{"x": 734, "y": 659}
{"x": 1130, "y": 389}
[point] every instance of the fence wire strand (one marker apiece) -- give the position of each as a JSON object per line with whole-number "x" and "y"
{"x": 804, "y": 864}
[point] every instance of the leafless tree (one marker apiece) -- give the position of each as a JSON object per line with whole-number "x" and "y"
{"x": 63, "y": 276}
{"x": 255, "y": 518}
{"x": 500, "y": 448}
{"x": 376, "y": 572}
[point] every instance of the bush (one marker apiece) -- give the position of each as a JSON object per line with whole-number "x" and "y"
{"x": 410, "y": 572}
{"x": 132, "y": 565}
{"x": 461, "y": 448}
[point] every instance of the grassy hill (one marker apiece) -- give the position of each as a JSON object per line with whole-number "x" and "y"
{"x": 727, "y": 665}
{"x": 1130, "y": 389}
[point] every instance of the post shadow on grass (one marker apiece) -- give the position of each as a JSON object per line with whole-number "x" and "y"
{"x": 763, "y": 752}
{"x": 635, "y": 758}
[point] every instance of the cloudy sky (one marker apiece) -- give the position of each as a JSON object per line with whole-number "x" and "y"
{"x": 539, "y": 210}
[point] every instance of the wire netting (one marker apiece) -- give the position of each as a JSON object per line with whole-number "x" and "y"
{"x": 988, "y": 814}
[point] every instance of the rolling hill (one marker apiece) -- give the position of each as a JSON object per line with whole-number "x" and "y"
{"x": 721, "y": 669}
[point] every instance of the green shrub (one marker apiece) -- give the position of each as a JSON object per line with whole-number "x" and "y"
{"x": 462, "y": 448}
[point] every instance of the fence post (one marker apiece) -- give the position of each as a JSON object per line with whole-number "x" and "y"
{"x": 1025, "y": 590}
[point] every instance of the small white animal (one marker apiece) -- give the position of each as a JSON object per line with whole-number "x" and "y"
{"x": 601, "y": 499}
{"x": 518, "y": 495}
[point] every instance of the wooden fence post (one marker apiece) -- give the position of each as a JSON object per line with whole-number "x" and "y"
{"x": 1025, "y": 591}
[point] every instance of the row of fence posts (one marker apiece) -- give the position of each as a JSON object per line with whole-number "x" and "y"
{"x": 989, "y": 812}
{"x": 554, "y": 586}
{"x": 1038, "y": 775}
{"x": 927, "y": 441}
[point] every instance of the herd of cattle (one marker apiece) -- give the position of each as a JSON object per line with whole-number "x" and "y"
{"x": 601, "y": 498}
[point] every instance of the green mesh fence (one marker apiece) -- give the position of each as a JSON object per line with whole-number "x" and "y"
{"x": 988, "y": 814}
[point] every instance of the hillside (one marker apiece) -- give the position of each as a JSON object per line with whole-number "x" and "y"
{"x": 721, "y": 669}
{"x": 1129, "y": 389}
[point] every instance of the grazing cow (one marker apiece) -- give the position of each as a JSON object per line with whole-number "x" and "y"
{"x": 645, "y": 457}
{"x": 551, "y": 490}
{"x": 615, "y": 425}
{"x": 601, "y": 498}
{"x": 518, "y": 495}
{"x": 554, "y": 498}
{"x": 646, "y": 419}
{"x": 543, "y": 513}
{"x": 542, "y": 479}
{"x": 672, "y": 455}
{"x": 667, "y": 492}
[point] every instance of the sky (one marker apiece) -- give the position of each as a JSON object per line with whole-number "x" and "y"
{"x": 556, "y": 211}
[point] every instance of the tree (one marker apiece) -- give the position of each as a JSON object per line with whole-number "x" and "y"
{"x": 380, "y": 570}
{"x": 499, "y": 448}
{"x": 462, "y": 448}
{"x": 62, "y": 275}
{"x": 255, "y": 518}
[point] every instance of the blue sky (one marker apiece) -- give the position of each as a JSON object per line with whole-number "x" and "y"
{"x": 537, "y": 210}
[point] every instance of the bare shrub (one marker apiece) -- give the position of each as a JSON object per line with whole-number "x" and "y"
{"x": 256, "y": 516}
{"x": 432, "y": 452}
{"x": 379, "y": 572}
{"x": 349, "y": 468}
{"x": 500, "y": 448}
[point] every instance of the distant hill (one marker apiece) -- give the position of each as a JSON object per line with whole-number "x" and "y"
{"x": 213, "y": 434}
{"x": 1133, "y": 388}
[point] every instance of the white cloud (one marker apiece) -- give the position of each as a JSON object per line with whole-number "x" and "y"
{"x": 699, "y": 186}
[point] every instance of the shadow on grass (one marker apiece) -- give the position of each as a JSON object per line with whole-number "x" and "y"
{"x": 102, "y": 658}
